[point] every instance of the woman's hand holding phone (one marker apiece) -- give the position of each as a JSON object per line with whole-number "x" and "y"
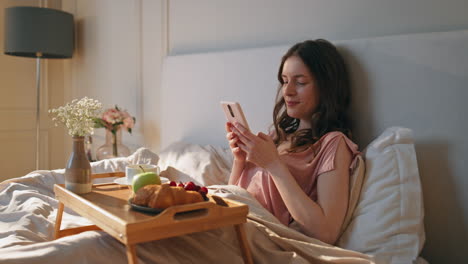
{"x": 259, "y": 149}
{"x": 233, "y": 112}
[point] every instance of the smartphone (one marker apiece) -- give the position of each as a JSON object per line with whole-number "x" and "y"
{"x": 233, "y": 112}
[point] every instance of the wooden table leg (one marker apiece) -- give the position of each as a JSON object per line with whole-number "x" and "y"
{"x": 58, "y": 220}
{"x": 131, "y": 254}
{"x": 243, "y": 243}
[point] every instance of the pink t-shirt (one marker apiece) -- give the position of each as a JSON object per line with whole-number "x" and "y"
{"x": 304, "y": 166}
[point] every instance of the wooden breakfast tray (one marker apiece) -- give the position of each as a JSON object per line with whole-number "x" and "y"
{"x": 108, "y": 208}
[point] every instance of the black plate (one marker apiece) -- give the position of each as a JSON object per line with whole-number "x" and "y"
{"x": 144, "y": 208}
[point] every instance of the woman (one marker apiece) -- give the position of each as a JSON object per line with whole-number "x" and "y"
{"x": 300, "y": 172}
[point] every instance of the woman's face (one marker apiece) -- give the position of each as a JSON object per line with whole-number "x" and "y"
{"x": 299, "y": 90}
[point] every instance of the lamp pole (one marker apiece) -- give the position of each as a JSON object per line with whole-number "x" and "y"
{"x": 38, "y": 105}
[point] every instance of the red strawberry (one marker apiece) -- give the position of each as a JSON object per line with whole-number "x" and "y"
{"x": 172, "y": 183}
{"x": 181, "y": 185}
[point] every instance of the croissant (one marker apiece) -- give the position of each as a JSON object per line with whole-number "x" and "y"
{"x": 164, "y": 196}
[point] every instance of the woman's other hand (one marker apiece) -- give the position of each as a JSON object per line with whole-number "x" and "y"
{"x": 239, "y": 155}
{"x": 260, "y": 148}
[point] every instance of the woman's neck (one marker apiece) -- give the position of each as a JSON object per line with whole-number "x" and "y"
{"x": 304, "y": 124}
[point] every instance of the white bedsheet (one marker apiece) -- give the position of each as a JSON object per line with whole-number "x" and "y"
{"x": 28, "y": 210}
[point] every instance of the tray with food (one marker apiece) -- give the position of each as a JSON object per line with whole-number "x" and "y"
{"x": 153, "y": 212}
{"x": 154, "y": 198}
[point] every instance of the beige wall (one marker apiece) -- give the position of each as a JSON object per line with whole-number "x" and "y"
{"x": 118, "y": 61}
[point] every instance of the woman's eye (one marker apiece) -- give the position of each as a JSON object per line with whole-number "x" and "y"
{"x": 300, "y": 83}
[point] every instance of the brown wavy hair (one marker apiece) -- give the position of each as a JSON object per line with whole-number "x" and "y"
{"x": 328, "y": 69}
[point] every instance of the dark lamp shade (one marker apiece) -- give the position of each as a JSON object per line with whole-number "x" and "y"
{"x": 33, "y": 30}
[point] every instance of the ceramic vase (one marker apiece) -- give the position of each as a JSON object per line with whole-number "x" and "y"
{"x": 78, "y": 169}
{"x": 113, "y": 146}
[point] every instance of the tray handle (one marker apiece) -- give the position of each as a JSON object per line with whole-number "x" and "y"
{"x": 189, "y": 211}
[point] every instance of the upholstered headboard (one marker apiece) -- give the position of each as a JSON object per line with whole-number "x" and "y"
{"x": 416, "y": 81}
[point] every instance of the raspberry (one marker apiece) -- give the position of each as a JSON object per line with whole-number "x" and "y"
{"x": 203, "y": 190}
{"x": 190, "y": 186}
{"x": 172, "y": 183}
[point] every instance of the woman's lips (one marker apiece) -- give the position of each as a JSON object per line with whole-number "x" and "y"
{"x": 291, "y": 103}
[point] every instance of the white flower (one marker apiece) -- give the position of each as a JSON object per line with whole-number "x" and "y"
{"x": 78, "y": 116}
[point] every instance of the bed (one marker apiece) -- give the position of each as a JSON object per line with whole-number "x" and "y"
{"x": 393, "y": 77}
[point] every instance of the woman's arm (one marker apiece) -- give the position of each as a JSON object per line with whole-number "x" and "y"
{"x": 237, "y": 168}
{"x": 321, "y": 219}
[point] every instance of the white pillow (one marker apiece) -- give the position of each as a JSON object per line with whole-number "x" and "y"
{"x": 388, "y": 220}
{"x": 204, "y": 165}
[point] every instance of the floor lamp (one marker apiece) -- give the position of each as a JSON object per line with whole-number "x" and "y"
{"x": 40, "y": 33}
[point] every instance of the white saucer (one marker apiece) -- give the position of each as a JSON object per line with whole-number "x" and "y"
{"x": 123, "y": 180}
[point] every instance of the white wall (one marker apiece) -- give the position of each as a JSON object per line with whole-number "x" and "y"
{"x": 206, "y": 25}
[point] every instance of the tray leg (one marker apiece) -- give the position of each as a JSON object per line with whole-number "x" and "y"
{"x": 131, "y": 254}
{"x": 76, "y": 230}
{"x": 58, "y": 220}
{"x": 243, "y": 243}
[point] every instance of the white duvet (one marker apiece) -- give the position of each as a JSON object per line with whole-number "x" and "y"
{"x": 28, "y": 210}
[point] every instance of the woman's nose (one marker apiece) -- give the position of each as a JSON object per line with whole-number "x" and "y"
{"x": 289, "y": 88}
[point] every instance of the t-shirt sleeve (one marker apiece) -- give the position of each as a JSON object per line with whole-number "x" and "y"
{"x": 328, "y": 150}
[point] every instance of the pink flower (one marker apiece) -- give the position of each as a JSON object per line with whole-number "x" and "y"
{"x": 124, "y": 114}
{"x": 114, "y": 118}
{"x": 128, "y": 122}
{"x": 111, "y": 116}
